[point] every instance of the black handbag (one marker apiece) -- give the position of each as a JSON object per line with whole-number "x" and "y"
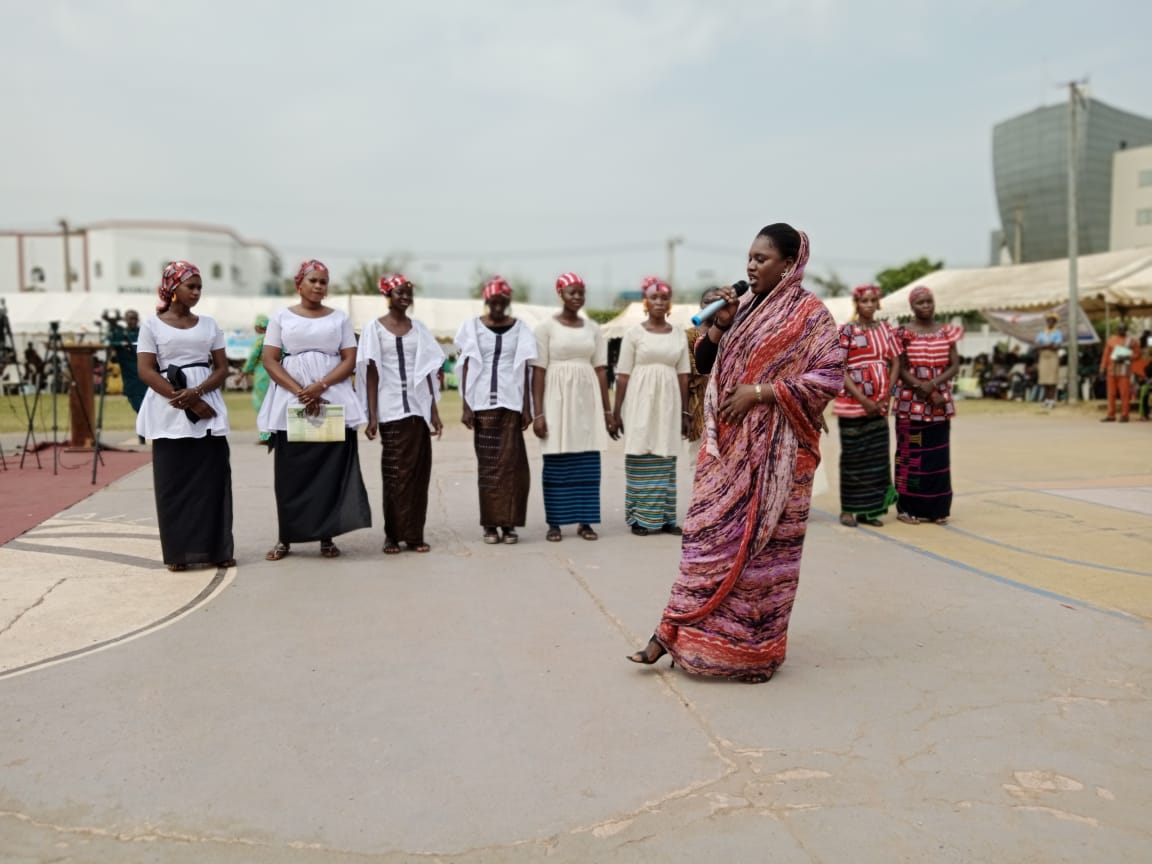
{"x": 177, "y": 378}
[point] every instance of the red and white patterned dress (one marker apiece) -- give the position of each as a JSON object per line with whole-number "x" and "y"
{"x": 869, "y": 350}
{"x": 926, "y": 356}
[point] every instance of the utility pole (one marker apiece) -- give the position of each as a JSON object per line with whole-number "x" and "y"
{"x": 67, "y": 260}
{"x": 670, "y": 244}
{"x": 1018, "y": 239}
{"x": 1075, "y": 98}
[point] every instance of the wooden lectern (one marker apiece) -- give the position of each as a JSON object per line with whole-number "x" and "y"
{"x": 81, "y": 405}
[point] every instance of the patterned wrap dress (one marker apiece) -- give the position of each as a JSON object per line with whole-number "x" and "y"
{"x": 740, "y": 562}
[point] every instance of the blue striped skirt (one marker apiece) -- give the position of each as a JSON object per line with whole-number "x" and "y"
{"x": 650, "y": 491}
{"x": 571, "y": 483}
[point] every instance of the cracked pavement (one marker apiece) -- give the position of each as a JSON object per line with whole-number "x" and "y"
{"x": 946, "y": 698}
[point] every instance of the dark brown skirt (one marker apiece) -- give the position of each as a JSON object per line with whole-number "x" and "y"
{"x": 502, "y": 470}
{"x": 405, "y": 469}
{"x": 192, "y": 479}
{"x": 319, "y": 491}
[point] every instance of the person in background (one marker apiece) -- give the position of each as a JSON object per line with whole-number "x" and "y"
{"x": 866, "y": 490}
{"x": 1116, "y": 363}
{"x": 495, "y": 350}
{"x": 569, "y": 379}
{"x": 1049, "y": 341}
{"x": 652, "y": 410}
{"x": 399, "y": 361}
{"x": 123, "y": 338}
{"x": 924, "y": 412}
{"x": 310, "y": 353}
{"x": 778, "y": 363}
{"x": 180, "y": 358}
{"x": 254, "y": 368}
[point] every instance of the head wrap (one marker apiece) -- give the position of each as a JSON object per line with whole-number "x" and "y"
{"x": 261, "y": 321}
{"x": 653, "y": 287}
{"x": 307, "y": 267}
{"x": 388, "y": 284}
{"x": 497, "y": 286}
{"x": 860, "y": 290}
{"x": 918, "y": 292}
{"x": 176, "y": 273}
{"x": 564, "y": 280}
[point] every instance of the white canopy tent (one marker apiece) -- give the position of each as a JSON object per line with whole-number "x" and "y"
{"x": 1122, "y": 278}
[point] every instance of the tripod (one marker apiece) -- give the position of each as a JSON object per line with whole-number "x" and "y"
{"x": 9, "y": 356}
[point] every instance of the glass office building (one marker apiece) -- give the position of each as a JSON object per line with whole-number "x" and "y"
{"x": 1030, "y": 166}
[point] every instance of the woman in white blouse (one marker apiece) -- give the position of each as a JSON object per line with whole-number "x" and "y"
{"x": 398, "y": 362}
{"x": 309, "y": 355}
{"x": 494, "y": 353}
{"x": 573, "y": 419}
{"x": 652, "y": 409}
{"x": 180, "y": 357}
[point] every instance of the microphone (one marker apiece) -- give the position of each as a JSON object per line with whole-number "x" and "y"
{"x": 715, "y": 306}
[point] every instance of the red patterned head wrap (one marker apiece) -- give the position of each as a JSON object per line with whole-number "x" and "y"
{"x": 646, "y": 282}
{"x": 307, "y": 267}
{"x": 564, "y": 280}
{"x": 388, "y": 284}
{"x": 860, "y": 290}
{"x": 653, "y": 287}
{"x": 176, "y": 273}
{"x": 497, "y": 286}
{"x": 918, "y": 292}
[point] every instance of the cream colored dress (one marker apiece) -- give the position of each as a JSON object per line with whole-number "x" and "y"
{"x": 652, "y": 406}
{"x": 572, "y": 406}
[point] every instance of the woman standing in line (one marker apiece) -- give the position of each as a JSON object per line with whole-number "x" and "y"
{"x": 866, "y": 490}
{"x": 495, "y": 350}
{"x": 310, "y": 353}
{"x": 778, "y": 362}
{"x": 180, "y": 357}
{"x": 254, "y": 367}
{"x": 399, "y": 361}
{"x": 569, "y": 377}
{"x": 653, "y": 370}
{"x": 924, "y": 411}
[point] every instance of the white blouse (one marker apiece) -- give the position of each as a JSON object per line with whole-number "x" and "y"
{"x": 496, "y": 364}
{"x": 174, "y": 346}
{"x": 406, "y": 368}
{"x": 311, "y": 349}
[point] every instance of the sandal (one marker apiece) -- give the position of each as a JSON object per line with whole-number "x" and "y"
{"x": 391, "y": 547}
{"x": 941, "y": 521}
{"x": 419, "y": 547}
{"x": 177, "y": 568}
{"x": 510, "y": 536}
{"x": 672, "y": 528}
{"x": 490, "y": 536}
{"x": 907, "y": 519}
{"x": 870, "y": 520}
{"x": 755, "y": 678}
{"x": 328, "y": 549}
{"x": 847, "y": 520}
{"x": 587, "y": 533}
{"x": 553, "y": 535}
{"x": 652, "y": 652}
{"x": 277, "y": 552}
{"x": 639, "y": 530}
{"x": 226, "y": 563}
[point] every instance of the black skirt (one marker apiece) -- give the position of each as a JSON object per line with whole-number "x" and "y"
{"x": 192, "y": 479}
{"x": 319, "y": 491}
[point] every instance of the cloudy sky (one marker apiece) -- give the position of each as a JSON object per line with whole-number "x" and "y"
{"x": 530, "y": 137}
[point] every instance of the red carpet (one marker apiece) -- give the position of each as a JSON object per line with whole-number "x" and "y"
{"x": 30, "y": 495}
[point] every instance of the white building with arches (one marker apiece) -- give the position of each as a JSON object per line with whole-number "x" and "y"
{"x": 126, "y": 257}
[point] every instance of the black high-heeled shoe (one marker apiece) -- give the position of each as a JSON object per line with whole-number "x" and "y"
{"x": 647, "y": 657}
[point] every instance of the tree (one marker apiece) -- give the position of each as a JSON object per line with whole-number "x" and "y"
{"x": 895, "y": 278}
{"x": 521, "y": 288}
{"x": 831, "y": 285}
{"x": 365, "y": 276}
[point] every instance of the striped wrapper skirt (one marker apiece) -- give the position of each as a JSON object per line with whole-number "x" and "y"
{"x": 865, "y": 467}
{"x": 571, "y": 483}
{"x": 650, "y": 491}
{"x": 923, "y": 469}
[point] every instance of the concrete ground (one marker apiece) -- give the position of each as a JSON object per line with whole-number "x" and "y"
{"x": 972, "y": 693}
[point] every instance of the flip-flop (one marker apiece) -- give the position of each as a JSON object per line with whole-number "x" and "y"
{"x": 329, "y": 549}
{"x": 587, "y": 533}
{"x": 554, "y": 535}
{"x": 177, "y": 568}
{"x": 419, "y": 547}
{"x": 906, "y": 519}
{"x": 278, "y": 551}
{"x": 391, "y": 548}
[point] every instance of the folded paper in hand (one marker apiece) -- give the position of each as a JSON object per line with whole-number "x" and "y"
{"x": 325, "y": 426}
